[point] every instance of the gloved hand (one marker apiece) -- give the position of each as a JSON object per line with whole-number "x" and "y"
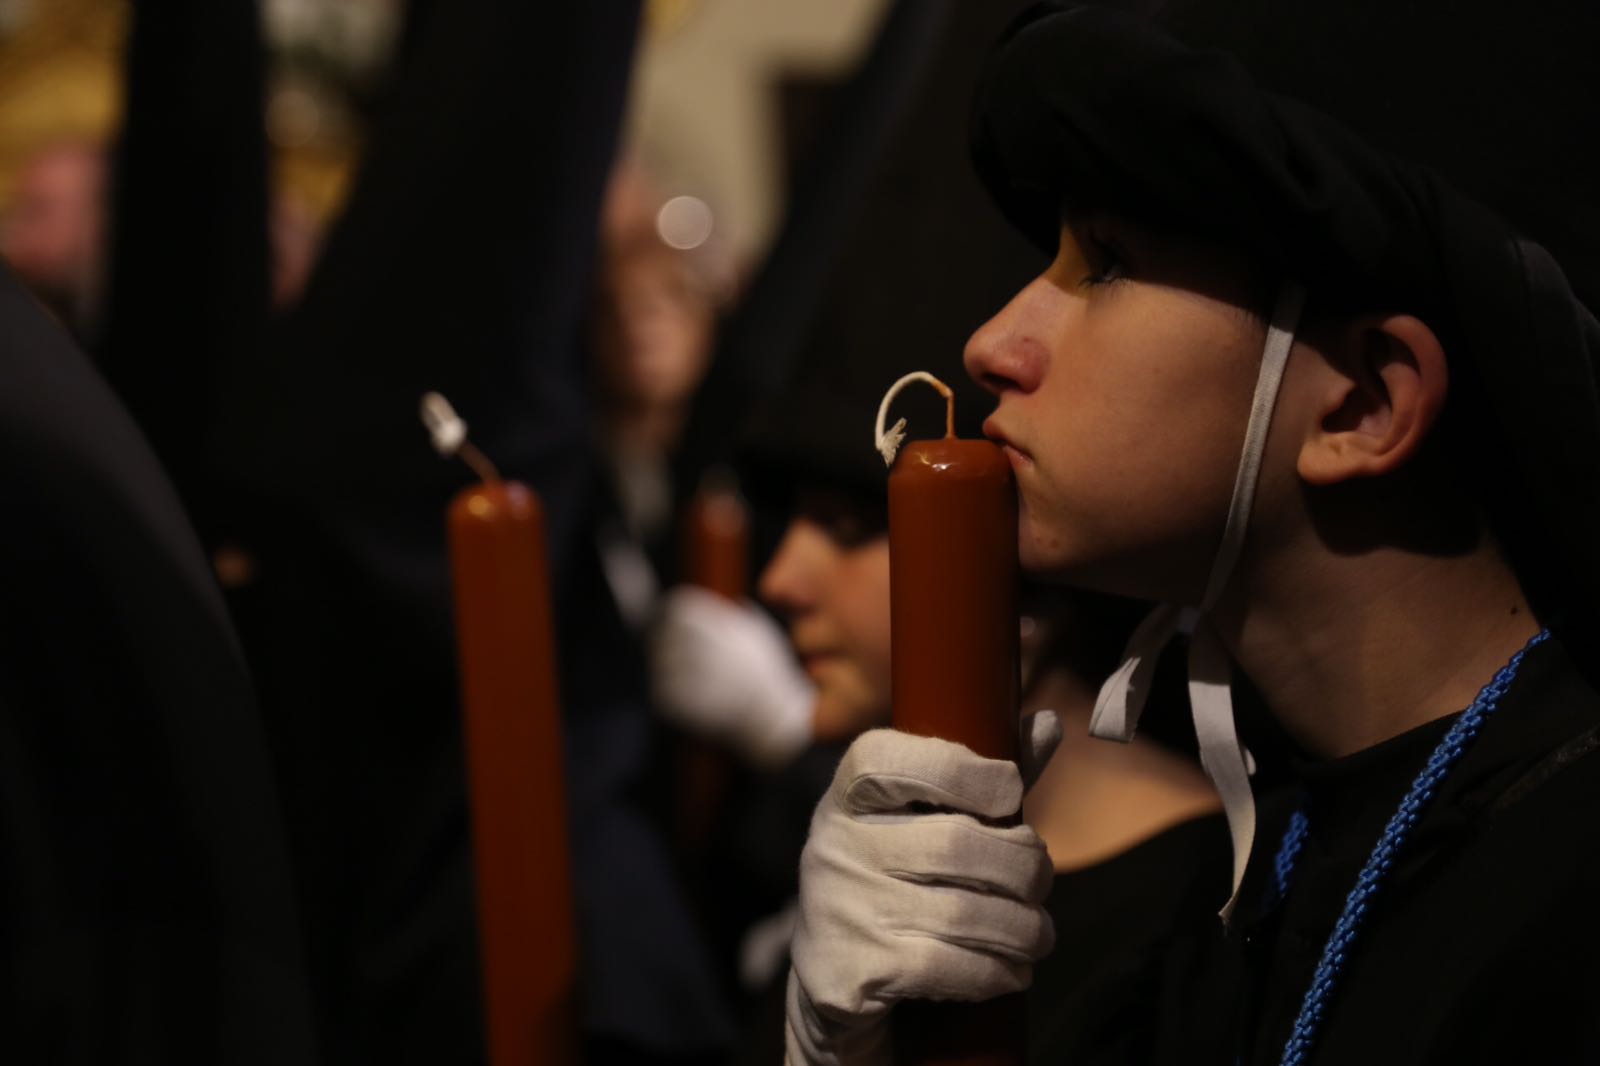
{"x": 726, "y": 670}
{"x": 909, "y": 891}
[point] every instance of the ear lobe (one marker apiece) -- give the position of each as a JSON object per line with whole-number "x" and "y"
{"x": 1386, "y": 389}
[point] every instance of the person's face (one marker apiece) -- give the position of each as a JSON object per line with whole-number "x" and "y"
{"x": 1124, "y": 375}
{"x": 656, "y": 329}
{"x": 830, "y": 580}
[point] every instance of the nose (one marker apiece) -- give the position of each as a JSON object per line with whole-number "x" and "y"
{"x": 788, "y": 584}
{"x": 1005, "y": 354}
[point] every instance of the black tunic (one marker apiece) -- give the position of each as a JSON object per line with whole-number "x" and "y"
{"x": 1478, "y": 946}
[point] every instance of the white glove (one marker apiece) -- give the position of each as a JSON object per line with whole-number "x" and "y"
{"x": 898, "y": 901}
{"x": 726, "y": 670}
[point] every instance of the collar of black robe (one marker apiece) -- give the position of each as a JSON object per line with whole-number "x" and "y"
{"x": 1547, "y": 721}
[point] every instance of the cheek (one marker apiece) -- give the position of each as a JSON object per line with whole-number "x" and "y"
{"x": 862, "y": 608}
{"x": 1145, "y": 420}
{"x": 853, "y": 691}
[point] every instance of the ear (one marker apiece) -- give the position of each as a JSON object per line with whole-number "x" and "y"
{"x": 1383, "y": 390}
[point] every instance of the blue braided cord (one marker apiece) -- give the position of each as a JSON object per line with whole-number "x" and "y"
{"x": 1294, "y": 839}
{"x": 1444, "y": 758}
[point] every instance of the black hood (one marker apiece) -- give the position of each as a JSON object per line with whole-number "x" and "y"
{"x": 926, "y": 261}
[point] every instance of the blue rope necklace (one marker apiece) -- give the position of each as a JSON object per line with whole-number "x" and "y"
{"x": 1444, "y": 758}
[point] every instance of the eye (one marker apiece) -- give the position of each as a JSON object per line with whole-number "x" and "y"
{"x": 848, "y": 523}
{"x": 852, "y": 530}
{"x": 1106, "y": 262}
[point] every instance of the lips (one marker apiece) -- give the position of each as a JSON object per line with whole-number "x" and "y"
{"x": 815, "y": 663}
{"x": 1013, "y": 452}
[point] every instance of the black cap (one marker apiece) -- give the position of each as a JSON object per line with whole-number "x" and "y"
{"x": 1429, "y": 156}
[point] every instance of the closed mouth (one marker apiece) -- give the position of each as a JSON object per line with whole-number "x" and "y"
{"x": 1013, "y": 452}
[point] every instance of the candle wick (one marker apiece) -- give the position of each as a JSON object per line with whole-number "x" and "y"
{"x": 888, "y": 441}
{"x": 448, "y": 431}
{"x": 479, "y": 463}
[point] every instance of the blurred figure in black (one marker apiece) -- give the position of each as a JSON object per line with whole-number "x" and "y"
{"x": 146, "y": 911}
{"x": 459, "y": 265}
{"x": 652, "y": 326}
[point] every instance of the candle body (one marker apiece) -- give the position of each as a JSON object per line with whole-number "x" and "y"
{"x": 512, "y": 725}
{"x": 716, "y": 557}
{"x": 717, "y": 542}
{"x": 955, "y": 673}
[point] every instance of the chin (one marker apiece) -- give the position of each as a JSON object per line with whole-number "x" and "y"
{"x": 843, "y": 715}
{"x": 1042, "y": 553}
{"x": 1048, "y": 557}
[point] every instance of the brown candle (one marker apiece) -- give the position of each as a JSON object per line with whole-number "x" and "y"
{"x": 953, "y": 611}
{"x": 717, "y": 541}
{"x": 514, "y": 762}
{"x": 716, "y": 557}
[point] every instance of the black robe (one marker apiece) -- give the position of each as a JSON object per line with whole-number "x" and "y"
{"x": 1479, "y": 946}
{"x": 146, "y": 907}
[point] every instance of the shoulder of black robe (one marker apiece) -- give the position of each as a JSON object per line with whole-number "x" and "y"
{"x": 146, "y": 909}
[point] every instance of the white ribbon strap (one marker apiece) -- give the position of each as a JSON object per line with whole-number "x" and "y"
{"x": 1274, "y": 357}
{"x": 1221, "y": 754}
{"x": 1122, "y": 697}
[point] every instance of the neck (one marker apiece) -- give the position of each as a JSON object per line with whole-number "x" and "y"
{"x": 1351, "y": 650}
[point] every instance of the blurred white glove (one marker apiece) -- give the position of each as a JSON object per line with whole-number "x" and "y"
{"x": 898, "y": 901}
{"x": 726, "y": 670}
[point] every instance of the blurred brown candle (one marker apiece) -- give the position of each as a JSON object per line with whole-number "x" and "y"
{"x": 514, "y": 764}
{"x": 954, "y": 671}
{"x": 716, "y": 539}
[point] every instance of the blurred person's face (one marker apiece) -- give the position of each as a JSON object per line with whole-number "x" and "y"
{"x": 296, "y": 240}
{"x": 51, "y": 234}
{"x": 654, "y": 327}
{"x": 830, "y": 580}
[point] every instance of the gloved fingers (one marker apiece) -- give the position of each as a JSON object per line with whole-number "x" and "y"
{"x": 938, "y": 969}
{"x": 696, "y": 618}
{"x": 1041, "y": 735}
{"x": 678, "y": 637}
{"x": 681, "y": 692}
{"x": 683, "y": 609}
{"x": 954, "y": 849}
{"x": 885, "y": 772}
{"x": 977, "y": 922}
{"x": 706, "y": 648}
{"x": 690, "y": 612}
{"x": 678, "y": 666}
